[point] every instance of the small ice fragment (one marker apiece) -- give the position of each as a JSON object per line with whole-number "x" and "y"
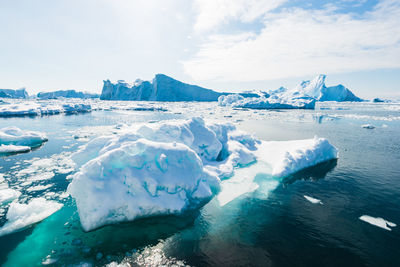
{"x": 368, "y": 126}
{"x": 380, "y": 222}
{"x": 313, "y": 200}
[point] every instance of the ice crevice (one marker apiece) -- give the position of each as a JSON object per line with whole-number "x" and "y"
{"x": 174, "y": 166}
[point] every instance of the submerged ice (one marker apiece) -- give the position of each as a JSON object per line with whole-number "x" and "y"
{"x": 171, "y": 167}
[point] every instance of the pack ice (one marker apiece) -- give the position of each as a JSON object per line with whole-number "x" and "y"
{"x": 13, "y": 140}
{"x": 175, "y": 166}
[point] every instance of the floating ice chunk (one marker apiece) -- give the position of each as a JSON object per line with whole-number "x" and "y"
{"x": 313, "y": 200}
{"x": 380, "y": 222}
{"x": 288, "y": 157}
{"x": 6, "y": 149}
{"x": 368, "y": 126}
{"x": 7, "y": 194}
{"x": 139, "y": 179}
{"x": 20, "y": 139}
{"x": 39, "y": 187}
{"x": 170, "y": 167}
{"x": 20, "y": 216}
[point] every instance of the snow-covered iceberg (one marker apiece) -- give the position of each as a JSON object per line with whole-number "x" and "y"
{"x": 66, "y": 94}
{"x": 175, "y": 166}
{"x": 14, "y": 140}
{"x": 11, "y": 93}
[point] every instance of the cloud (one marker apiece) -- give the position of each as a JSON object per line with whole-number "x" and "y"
{"x": 297, "y": 42}
{"x": 212, "y": 13}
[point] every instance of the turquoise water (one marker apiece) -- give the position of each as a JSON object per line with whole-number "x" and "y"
{"x": 273, "y": 226}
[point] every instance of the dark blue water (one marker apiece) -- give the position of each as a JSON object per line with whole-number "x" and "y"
{"x": 268, "y": 227}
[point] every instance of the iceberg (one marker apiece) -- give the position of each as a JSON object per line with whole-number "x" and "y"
{"x": 317, "y": 89}
{"x": 11, "y": 93}
{"x": 175, "y": 166}
{"x": 20, "y": 216}
{"x": 162, "y": 88}
{"x": 236, "y": 101}
{"x": 13, "y": 139}
{"x": 66, "y": 94}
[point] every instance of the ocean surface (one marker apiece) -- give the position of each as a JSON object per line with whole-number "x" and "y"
{"x": 272, "y": 226}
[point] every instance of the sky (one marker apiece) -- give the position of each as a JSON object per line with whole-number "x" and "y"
{"x": 225, "y": 45}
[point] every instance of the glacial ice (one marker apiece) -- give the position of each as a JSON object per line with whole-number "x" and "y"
{"x": 380, "y": 222}
{"x": 168, "y": 168}
{"x": 66, "y": 94}
{"x": 11, "y": 93}
{"x": 13, "y": 139}
{"x": 20, "y": 216}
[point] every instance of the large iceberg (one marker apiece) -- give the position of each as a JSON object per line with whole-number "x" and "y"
{"x": 66, "y": 94}
{"x": 175, "y": 166}
{"x": 13, "y": 140}
{"x": 11, "y": 93}
{"x": 162, "y": 88}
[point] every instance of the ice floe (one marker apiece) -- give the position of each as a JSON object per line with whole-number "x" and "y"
{"x": 20, "y": 216}
{"x": 7, "y": 194}
{"x": 313, "y": 200}
{"x": 13, "y": 139}
{"x": 380, "y": 222}
{"x": 171, "y": 167}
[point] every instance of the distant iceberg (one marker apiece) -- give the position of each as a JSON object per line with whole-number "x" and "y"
{"x": 317, "y": 89}
{"x": 171, "y": 167}
{"x": 162, "y": 88}
{"x": 66, "y": 94}
{"x": 11, "y": 93}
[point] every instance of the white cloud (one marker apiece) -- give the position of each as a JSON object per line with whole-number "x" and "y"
{"x": 212, "y": 13}
{"x": 298, "y": 42}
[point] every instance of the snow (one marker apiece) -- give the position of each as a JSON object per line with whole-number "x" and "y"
{"x": 380, "y": 222}
{"x": 313, "y": 200}
{"x": 13, "y": 139}
{"x": 170, "y": 167}
{"x": 20, "y": 216}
